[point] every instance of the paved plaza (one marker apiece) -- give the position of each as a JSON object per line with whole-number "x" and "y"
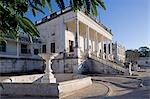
{"x": 110, "y": 87}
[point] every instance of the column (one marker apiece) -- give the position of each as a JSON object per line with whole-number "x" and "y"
{"x": 77, "y": 50}
{"x": 102, "y": 47}
{"x": 88, "y": 50}
{"x": 87, "y": 37}
{"x": 31, "y": 49}
{"x": 18, "y": 51}
{"x": 111, "y": 50}
{"x": 107, "y": 49}
{"x": 63, "y": 36}
{"x": 96, "y": 45}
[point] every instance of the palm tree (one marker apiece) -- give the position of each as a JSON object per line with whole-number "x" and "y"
{"x": 13, "y": 19}
{"x": 90, "y": 6}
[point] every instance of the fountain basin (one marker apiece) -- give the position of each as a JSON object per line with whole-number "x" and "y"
{"x": 27, "y": 87}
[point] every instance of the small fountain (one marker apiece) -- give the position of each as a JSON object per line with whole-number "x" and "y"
{"x": 44, "y": 84}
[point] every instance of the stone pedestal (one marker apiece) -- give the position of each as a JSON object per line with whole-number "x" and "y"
{"x": 48, "y": 77}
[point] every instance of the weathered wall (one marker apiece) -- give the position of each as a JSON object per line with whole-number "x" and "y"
{"x": 29, "y": 89}
{"x": 69, "y": 65}
{"x": 9, "y": 65}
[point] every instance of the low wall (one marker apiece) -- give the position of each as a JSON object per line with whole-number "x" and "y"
{"x": 68, "y": 87}
{"x": 29, "y": 89}
{"x": 11, "y": 65}
{"x": 36, "y": 78}
{"x": 42, "y": 89}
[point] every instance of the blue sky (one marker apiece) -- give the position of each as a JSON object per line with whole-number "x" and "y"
{"x": 128, "y": 19}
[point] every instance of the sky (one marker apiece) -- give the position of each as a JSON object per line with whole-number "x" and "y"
{"x": 129, "y": 21}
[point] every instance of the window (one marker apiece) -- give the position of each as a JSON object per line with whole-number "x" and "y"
{"x": 71, "y": 46}
{"x": 53, "y": 34}
{"x": 52, "y": 47}
{"x": 104, "y": 48}
{"x": 24, "y": 49}
{"x": 146, "y": 62}
{"x": 2, "y": 46}
{"x": 44, "y": 49}
{"x": 36, "y": 51}
{"x": 109, "y": 48}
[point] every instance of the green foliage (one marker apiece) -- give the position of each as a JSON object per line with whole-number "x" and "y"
{"x": 144, "y": 51}
{"x": 13, "y": 20}
{"x": 132, "y": 55}
{"x": 89, "y": 5}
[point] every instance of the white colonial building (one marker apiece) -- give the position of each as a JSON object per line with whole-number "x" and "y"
{"x": 20, "y": 56}
{"x": 74, "y": 36}
{"x": 72, "y": 42}
{"x": 118, "y": 52}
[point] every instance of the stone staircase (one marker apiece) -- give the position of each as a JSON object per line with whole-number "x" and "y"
{"x": 115, "y": 68}
{"x": 83, "y": 67}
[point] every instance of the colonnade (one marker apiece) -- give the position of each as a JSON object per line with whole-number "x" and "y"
{"x": 95, "y": 43}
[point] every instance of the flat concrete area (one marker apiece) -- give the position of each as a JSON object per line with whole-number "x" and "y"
{"x": 97, "y": 88}
{"x": 111, "y": 87}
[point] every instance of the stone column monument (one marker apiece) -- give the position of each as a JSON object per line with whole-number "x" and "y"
{"x": 48, "y": 76}
{"x": 130, "y": 71}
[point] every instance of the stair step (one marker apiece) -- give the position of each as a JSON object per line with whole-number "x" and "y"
{"x": 110, "y": 64}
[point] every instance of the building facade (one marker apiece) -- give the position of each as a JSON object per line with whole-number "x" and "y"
{"x": 74, "y": 36}
{"x": 20, "y": 56}
{"x": 118, "y": 52}
{"x": 144, "y": 61}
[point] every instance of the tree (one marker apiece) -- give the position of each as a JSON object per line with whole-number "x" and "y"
{"x": 144, "y": 51}
{"x": 13, "y": 19}
{"x": 132, "y": 55}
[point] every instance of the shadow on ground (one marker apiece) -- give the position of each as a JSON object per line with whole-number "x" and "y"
{"x": 135, "y": 94}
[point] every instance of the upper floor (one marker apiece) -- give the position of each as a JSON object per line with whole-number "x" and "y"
{"x": 23, "y": 48}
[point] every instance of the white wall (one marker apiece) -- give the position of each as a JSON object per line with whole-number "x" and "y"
{"x": 144, "y": 61}
{"x": 57, "y": 26}
{"x": 52, "y": 32}
{"x": 11, "y": 48}
{"x": 69, "y": 36}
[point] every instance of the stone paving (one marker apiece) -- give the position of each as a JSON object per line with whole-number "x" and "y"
{"x": 120, "y": 87}
{"x": 110, "y": 87}
{"x": 97, "y": 89}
